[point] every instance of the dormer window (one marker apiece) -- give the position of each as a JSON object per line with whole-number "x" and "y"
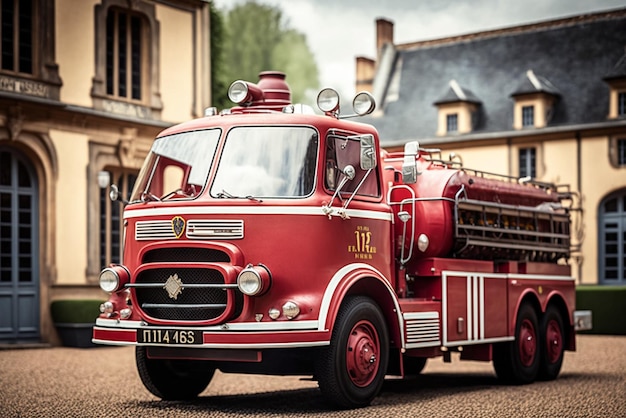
{"x": 616, "y": 79}
{"x": 528, "y": 116}
{"x": 452, "y": 122}
{"x": 458, "y": 110}
{"x": 535, "y": 99}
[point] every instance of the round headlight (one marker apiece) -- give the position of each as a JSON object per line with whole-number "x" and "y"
{"x": 238, "y": 91}
{"x": 253, "y": 280}
{"x": 328, "y": 100}
{"x": 363, "y": 103}
{"x": 249, "y": 282}
{"x": 109, "y": 280}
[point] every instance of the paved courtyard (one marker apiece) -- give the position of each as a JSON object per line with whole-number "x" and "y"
{"x": 102, "y": 382}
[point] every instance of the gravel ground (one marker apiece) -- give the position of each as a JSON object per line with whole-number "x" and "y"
{"x": 101, "y": 382}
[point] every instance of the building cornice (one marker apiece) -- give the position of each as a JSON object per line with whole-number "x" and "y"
{"x": 613, "y": 125}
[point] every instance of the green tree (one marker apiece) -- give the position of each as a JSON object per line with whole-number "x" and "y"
{"x": 257, "y": 39}
{"x": 219, "y": 80}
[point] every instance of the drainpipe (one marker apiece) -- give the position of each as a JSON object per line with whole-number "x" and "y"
{"x": 579, "y": 187}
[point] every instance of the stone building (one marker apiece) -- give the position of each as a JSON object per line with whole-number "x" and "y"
{"x": 84, "y": 88}
{"x": 545, "y": 100}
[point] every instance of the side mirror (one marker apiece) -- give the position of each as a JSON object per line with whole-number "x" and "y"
{"x": 409, "y": 166}
{"x": 368, "y": 152}
{"x": 114, "y": 195}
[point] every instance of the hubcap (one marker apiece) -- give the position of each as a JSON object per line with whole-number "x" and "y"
{"x": 527, "y": 343}
{"x": 362, "y": 353}
{"x": 554, "y": 341}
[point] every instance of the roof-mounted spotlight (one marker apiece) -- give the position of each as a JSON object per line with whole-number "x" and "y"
{"x": 328, "y": 101}
{"x": 363, "y": 103}
{"x": 242, "y": 92}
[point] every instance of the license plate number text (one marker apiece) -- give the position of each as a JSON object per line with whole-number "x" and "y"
{"x": 169, "y": 336}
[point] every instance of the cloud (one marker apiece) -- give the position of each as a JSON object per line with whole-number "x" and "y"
{"x": 339, "y": 31}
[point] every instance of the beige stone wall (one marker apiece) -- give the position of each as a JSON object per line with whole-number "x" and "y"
{"x": 71, "y": 213}
{"x": 177, "y": 83}
{"x": 75, "y": 43}
{"x": 599, "y": 179}
{"x": 491, "y": 158}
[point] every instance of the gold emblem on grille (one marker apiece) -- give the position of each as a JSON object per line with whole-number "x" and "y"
{"x": 174, "y": 286}
{"x": 178, "y": 226}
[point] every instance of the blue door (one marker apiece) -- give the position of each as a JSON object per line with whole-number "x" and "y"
{"x": 612, "y": 239}
{"x": 19, "y": 243}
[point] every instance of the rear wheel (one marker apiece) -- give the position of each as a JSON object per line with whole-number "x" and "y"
{"x": 518, "y": 361}
{"x": 352, "y": 369}
{"x": 552, "y": 344}
{"x": 173, "y": 379}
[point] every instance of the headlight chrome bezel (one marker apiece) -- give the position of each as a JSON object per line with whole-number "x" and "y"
{"x": 254, "y": 280}
{"x": 113, "y": 278}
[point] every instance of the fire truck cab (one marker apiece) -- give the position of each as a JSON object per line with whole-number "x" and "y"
{"x": 271, "y": 239}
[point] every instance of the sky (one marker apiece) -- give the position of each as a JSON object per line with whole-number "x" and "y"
{"x": 338, "y": 31}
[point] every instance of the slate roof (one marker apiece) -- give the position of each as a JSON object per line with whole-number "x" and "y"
{"x": 569, "y": 57}
{"x": 456, "y": 93}
{"x": 532, "y": 83}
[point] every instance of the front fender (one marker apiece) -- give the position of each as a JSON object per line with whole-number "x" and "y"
{"x": 362, "y": 279}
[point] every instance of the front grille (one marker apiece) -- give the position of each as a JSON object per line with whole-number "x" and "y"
{"x": 185, "y": 255}
{"x": 215, "y": 229}
{"x": 193, "y": 303}
{"x": 154, "y": 230}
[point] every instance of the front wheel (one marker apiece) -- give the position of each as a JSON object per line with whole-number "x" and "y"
{"x": 517, "y": 361}
{"x": 552, "y": 344}
{"x": 173, "y": 379}
{"x": 352, "y": 369}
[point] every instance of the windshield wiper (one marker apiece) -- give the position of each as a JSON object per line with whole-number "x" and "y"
{"x": 225, "y": 195}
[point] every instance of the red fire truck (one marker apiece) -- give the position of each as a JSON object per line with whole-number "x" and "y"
{"x": 272, "y": 239}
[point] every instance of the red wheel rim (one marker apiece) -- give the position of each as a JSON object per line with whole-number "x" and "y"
{"x": 527, "y": 343}
{"x": 554, "y": 341}
{"x": 362, "y": 353}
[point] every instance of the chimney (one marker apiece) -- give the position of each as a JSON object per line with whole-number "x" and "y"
{"x": 365, "y": 71}
{"x": 384, "y": 34}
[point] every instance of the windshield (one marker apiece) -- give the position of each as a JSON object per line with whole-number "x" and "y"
{"x": 267, "y": 162}
{"x": 177, "y": 166}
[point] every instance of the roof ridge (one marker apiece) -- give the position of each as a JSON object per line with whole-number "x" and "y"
{"x": 517, "y": 29}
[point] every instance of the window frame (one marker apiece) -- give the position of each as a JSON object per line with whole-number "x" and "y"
{"x": 122, "y": 75}
{"x": 528, "y": 116}
{"x": 104, "y": 157}
{"x": 150, "y": 104}
{"x": 612, "y": 222}
{"x": 18, "y": 41}
{"x": 527, "y": 160}
{"x": 43, "y": 81}
{"x": 452, "y": 122}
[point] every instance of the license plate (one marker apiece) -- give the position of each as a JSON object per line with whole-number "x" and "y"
{"x": 169, "y": 336}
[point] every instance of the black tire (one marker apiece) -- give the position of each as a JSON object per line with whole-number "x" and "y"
{"x": 552, "y": 344}
{"x": 413, "y": 366}
{"x": 352, "y": 369}
{"x": 173, "y": 379}
{"x": 517, "y": 362}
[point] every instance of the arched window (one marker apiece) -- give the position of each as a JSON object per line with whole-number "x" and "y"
{"x": 612, "y": 239}
{"x": 127, "y": 56}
